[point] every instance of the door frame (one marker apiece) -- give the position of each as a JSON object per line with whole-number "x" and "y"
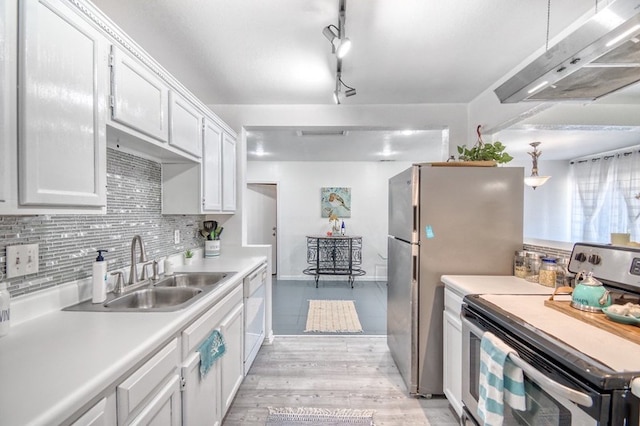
{"x": 275, "y": 261}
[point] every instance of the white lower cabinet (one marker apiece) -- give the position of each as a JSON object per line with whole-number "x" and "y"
{"x": 232, "y": 364}
{"x": 452, "y": 347}
{"x": 151, "y": 395}
{"x": 200, "y": 397}
{"x": 205, "y": 400}
{"x": 103, "y": 413}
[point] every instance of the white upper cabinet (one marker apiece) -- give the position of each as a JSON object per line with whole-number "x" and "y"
{"x": 139, "y": 98}
{"x": 212, "y": 167}
{"x": 63, "y": 85}
{"x": 208, "y": 187}
{"x": 228, "y": 173}
{"x": 7, "y": 95}
{"x": 185, "y": 125}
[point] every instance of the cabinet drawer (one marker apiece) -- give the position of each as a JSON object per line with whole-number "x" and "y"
{"x": 142, "y": 384}
{"x": 452, "y": 301}
{"x": 193, "y": 335}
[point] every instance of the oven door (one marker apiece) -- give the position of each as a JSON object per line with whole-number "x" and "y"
{"x": 548, "y": 402}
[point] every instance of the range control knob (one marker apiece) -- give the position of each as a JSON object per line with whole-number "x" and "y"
{"x": 595, "y": 259}
{"x": 581, "y": 257}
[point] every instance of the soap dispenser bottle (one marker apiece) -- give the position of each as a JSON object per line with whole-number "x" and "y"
{"x": 99, "y": 293}
{"x": 5, "y": 311}
{"x": 342, "y": 229}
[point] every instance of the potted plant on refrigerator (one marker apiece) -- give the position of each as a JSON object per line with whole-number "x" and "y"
{"x": 484, "y": 154}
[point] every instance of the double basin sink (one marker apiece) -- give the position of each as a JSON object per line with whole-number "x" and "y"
{"x": 170, "y": 293}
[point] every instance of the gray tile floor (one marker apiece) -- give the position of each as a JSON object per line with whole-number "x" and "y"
{"x": 290, "y": 303}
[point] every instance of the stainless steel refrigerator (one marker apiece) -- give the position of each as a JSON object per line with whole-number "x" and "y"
{"x": 443, "y": 220}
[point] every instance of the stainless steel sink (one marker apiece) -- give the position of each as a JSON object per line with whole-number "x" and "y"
{"x": 170, "y": 293}
{"x": 200, "y": 280}
{"x": 153, "y": 298}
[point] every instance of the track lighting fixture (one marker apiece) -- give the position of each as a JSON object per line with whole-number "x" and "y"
{"x": 534, "y": 180}
{"x": 340, "y": 45}
{"x": 339, "y": 84}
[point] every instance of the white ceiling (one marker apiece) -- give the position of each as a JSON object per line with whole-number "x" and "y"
{"x": 404, "y": 52}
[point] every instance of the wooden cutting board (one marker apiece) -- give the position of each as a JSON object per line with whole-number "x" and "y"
{"x": 600, "y": 320}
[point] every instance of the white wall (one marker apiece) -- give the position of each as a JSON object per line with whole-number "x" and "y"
{"x": 299, "y": 214}
{"x": 547, "y": 209}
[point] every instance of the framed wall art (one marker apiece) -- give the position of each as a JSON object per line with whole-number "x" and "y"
{"x": 336, "y": 201}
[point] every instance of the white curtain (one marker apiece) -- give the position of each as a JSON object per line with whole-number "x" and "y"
{"x": 593, "y": 180}
{"x": 628, "y": 186}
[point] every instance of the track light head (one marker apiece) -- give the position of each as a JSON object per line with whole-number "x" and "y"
{"x": 329, "y": 33}
{"x": 344, "y": 45}
{"x": 336, "y": 97}
{"x": 339, "y": 46}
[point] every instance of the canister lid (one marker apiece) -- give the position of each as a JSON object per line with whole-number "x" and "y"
{"x": 535, "y": 254}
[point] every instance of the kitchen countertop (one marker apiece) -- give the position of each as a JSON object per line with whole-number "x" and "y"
{"x": 492, "y": 284}
{"x": 616, "y": 352}
{"x": 59, "y": 363}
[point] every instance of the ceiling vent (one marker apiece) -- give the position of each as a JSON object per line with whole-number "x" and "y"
{"x": 600, "y": 57}
{"x": 322, "y": 133}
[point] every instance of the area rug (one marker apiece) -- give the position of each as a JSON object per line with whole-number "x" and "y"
{"x": 332, "y": 316}
{"x": 318, "y": 416}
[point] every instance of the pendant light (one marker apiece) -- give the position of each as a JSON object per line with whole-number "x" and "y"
{"x": 534, "y": 180}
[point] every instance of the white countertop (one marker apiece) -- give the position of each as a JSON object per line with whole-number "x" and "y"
{"x": 492, "y": 284}
{"x": 52, "y": 366}
{"x": 616, "y": 352}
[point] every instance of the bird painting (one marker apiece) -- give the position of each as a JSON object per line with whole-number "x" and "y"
{"x": 336, "y": 201}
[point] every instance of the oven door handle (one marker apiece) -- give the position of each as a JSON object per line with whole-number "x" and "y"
{"x": 552, "y": 386}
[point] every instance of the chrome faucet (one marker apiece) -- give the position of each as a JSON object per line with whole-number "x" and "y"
{"x": 133, "y": 276}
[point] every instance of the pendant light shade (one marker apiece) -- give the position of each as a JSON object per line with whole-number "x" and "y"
{"x": 534, "y": 180}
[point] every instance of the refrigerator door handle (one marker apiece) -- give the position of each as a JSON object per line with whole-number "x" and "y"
{"x": 415, "y": 270}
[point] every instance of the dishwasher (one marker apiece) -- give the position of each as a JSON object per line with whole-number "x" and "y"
{"x": 254, "y": 314}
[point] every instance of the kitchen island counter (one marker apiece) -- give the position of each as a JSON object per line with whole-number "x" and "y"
{"x": 61, "y": 363}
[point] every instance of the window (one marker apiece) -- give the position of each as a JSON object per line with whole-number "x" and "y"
{"x": 606, "y": 197}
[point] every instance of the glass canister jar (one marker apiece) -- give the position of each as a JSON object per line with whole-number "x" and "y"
{"x": 562, "y": 272}
{"x": 520, "y": 264}
{"x": 548, "y": 272}
{"x": 534, "y": 260}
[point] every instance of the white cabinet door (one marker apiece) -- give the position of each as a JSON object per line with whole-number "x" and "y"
{"x": 185, "y": 125}
{"x": 212, "y": 167}
{"x": 452, "y": 360}
{"x": 103, "y": 413}
{"x": 139, "y": 97}
{"x": 228, "y": 173}
{"x": 165, "y": 408}
{"x": 8, "y": 35}
{"x": 63, "y": 74}
{"x": 232, "y": 362}
{"x": 201, "y": 403}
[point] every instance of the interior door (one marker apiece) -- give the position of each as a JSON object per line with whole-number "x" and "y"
{"x": 262, "y": 217}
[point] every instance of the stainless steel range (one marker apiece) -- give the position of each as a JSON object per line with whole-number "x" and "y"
{"x": 579, "y": 368}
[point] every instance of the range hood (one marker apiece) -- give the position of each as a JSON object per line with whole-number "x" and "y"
{"x": 600, "y": 57}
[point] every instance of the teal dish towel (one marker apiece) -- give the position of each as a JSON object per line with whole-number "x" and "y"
{"x": 210, "y": 350}
{"x": 501, "y": 381}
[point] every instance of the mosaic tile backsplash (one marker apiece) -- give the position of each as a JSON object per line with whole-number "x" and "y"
{"x": 68, "y": 243}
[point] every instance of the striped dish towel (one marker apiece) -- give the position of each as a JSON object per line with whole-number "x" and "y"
{"x": 500, "y": 381}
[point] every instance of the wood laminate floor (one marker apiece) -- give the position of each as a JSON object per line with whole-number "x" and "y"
{"x": 333, "y": 372}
